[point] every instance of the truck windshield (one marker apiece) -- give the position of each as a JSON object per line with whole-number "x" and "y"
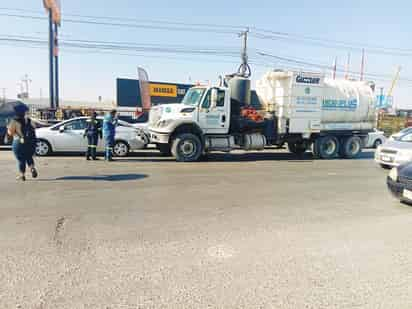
{"x": 193, "y": 96}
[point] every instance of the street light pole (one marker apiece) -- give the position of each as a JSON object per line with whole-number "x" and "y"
{"x": 56, "y": 64}
{"x": 51, "y": 64}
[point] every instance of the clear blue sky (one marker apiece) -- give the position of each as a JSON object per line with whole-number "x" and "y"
{"x": 87, "y": 75}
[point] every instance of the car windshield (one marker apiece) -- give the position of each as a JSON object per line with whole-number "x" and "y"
{"x": 406, "y": 138}
{"x": 193, "y": 96}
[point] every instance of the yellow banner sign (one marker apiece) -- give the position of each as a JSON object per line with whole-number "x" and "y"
{"x": 161, "y": 90}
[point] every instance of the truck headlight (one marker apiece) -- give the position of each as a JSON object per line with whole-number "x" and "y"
{"x": 164, "y": 123}
{"x": 393, "y": 174}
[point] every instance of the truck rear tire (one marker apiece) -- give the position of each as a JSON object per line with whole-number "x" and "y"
{"x": 327, "y": 147}
{"x": 351, "y": 147}
{"x": 297, "y": 148}
{"x": 187, "y": 147}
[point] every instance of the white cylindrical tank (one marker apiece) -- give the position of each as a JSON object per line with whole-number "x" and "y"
{"x": 303, "y": 96}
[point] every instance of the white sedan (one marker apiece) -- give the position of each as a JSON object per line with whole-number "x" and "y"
{"x": 67, "y": 136}
{"x": 395, "y": 152}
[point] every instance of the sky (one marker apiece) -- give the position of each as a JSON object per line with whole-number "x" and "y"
{"x": 86, "y": 75}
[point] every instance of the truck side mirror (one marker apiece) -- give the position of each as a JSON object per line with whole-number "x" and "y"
{"x": 213, "y": 98}
{"x": 62, "y": 129}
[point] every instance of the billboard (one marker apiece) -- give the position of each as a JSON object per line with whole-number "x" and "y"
{"x": 130, "y": 95}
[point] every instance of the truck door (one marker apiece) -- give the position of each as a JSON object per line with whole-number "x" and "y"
{"x": 214, "y": 120}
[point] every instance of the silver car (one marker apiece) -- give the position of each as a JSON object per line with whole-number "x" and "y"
{"x": 395, "y": 152}
{"x": 67, "y": 136}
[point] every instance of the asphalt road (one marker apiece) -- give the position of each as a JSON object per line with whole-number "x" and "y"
{"x": 261, "y": 230}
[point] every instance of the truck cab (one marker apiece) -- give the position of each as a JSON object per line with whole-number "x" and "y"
{"x": 182, "y": 129}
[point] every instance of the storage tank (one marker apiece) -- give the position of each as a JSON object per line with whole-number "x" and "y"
{"x": 311, "y": 102}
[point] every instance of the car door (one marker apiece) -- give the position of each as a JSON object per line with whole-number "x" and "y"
{"x": 71, "y": 138}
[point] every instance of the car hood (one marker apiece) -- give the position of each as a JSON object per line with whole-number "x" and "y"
{"x": 394, "y": 144}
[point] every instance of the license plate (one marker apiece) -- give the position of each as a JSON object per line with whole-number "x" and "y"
{"x": 407, "y": 194}
{"x": 386, "y": 158}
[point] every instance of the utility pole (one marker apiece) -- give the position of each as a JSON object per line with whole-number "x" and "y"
{"x": 26, "y": 81}
{"x": 335, "y": 63}
{"x": 51, "y": 62}
{"x": 362, "y": 65}
{"x": 56, "y": 64}
{"x": 244, "y": 69}
{"x": 347, "y": 67}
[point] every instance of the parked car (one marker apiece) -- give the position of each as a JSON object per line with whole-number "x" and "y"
{"x": 67, "y": 136}
{"x": 375, "y": 139}
{"x": 400, "y": 133}
{"x": 399, "y": 182}
{"x": 395, "y": 152}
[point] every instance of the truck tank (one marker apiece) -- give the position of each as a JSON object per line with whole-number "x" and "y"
{"x": 311, "y": 102}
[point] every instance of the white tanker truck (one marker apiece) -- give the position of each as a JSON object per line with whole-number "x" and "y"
{"x": 305, "y": 110}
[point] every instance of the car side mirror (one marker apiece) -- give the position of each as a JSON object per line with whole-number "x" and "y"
{"x": 62, "y": 129}
{"x": 213, "y": 98}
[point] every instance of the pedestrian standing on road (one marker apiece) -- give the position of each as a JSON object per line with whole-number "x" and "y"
{"x": 22, "y": 129}
{"x": 93, "y": 132}
{"x": 109, "y": 132}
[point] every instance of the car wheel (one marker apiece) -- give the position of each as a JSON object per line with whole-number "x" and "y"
{"x": 327, "y": 147}
{"x": 351, "y": 147}
{"x": 377, "y": 143}
{"x": 187, "y": 147}
{"x": 121, "y": 149}
{"x": 43, "y": 148}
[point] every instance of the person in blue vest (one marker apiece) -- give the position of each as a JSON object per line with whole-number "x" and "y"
{"x": 109, "y": 132}
{"x": 93, "y": 132}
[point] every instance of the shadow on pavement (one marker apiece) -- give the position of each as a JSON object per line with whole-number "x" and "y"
{"x": 241, "y": 157}
{"x": 118, "y": 177}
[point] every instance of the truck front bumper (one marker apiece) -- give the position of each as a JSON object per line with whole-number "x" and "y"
{"x": 159, "y": 138}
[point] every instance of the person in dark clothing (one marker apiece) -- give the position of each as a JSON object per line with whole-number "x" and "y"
{"x": 23, "y": 132}
{"x": 93, "y": 132}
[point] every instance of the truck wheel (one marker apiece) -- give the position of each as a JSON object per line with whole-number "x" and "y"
{"x": 351, "y": 147}
{"x": 297, "y": 148}
{"x": 187, "y": 147}
{"x": 164, "y": 150}
{"x": 328, "y": 147}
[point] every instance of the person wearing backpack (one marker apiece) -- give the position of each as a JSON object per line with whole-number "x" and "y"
{"x": 23, "y": 132}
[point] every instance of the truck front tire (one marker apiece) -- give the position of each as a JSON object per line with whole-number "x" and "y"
{"x": 351, "y": 147}
{"x": 187, "y": 147}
